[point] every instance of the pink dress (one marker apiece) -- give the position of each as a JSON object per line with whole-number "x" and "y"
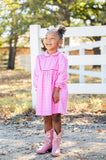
{"x": 50, "y": 72}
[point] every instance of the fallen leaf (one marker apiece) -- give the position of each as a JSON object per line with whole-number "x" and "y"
{"x": 41, "y": 120}
{"x": 29, "y": 118}
{"x": 99, "y": 110}
{"x": 103, "y": 105}
{"x": 5, "y": 114}
{"x": 9, "y": 107}
{"x": 99, "y": 130}
{"x": 2, "y": 110}
{"x": 21, "y": 126}
{"x": 32, "y": 145}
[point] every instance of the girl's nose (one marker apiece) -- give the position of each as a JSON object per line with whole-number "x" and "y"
{"x": 48, "y": 39}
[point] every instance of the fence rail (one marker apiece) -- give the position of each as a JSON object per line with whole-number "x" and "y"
{"x": 86, "y": 60}
{"x": 87, "y": 88}
{"x": 83, "y": 60}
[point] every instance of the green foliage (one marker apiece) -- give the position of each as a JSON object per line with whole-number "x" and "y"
{"x": 13, "y": 20}
{"x": 16, "y": 16}
{"x": 91, "y": 12}
{"x": 1, "y": 43}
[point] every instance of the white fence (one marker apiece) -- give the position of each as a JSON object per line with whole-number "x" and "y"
{"x": 21, "y": 61}
{"x": 4, "y": 62}
{"x": 83, "y": 60}
{"x": 24, "y": 62}
{"x": 93, "y": 88}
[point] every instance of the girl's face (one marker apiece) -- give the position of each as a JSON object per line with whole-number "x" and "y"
{"x": 52, "y": 41}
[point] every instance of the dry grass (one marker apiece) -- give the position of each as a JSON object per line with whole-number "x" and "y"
{"x": 15, "y": 96}
{"x": 75, "y": 78}
{"x": 85, "y": 103}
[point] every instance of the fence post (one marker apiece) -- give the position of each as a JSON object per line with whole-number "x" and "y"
{"x": 35, "y": 50}
{"x": 103, "y": 67}
{"x": 67, "y": 54}
{"x": 81, "y": 67}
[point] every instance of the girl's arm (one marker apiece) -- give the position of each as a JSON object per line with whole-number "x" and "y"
{"x": 62, "y": 74}
{"x": 62, "y": 78}
{"x": 36, "y": 72}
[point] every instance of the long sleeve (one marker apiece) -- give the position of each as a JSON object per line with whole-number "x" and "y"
{"x": 62, "y": 74}
{"x": 36, "y": 72}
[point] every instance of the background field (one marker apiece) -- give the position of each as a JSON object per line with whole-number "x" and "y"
{"x": 15, "y": 96}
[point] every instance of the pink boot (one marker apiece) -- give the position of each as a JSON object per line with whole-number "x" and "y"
{"x": 48, "y": 142}
{"x": 56, "y": 143}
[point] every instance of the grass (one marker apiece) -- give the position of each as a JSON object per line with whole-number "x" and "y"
{"x": 89, "y": 68}
{"x": 15, "y": 96}
{"x": 75, "y": 79}
{"x": 87, "y": 103}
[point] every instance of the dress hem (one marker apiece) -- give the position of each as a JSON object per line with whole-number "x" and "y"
{"x": 50, "y": 114}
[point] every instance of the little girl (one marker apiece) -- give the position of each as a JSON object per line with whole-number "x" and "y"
{"x": 50, "y": 77}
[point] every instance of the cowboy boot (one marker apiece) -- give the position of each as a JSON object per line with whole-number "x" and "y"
{"x": 48, "y": 142}
{"x": 56, "y": 143}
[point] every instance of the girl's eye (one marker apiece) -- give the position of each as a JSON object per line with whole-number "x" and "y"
{"x": 48, "y": 38}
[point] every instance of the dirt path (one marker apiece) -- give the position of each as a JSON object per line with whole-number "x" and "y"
{"x": 84, "y": 138}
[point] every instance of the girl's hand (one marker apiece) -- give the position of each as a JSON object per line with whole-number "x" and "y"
{"x": 56, "y": 95}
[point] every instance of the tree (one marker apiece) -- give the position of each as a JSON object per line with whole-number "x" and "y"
{"x": 15, "y": 19}
{"x": 14, "y": 22}
{"x": 17, "y": 15}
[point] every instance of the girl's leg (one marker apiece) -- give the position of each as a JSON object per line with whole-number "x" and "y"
{"x": 57, "y": 133}
{"x": 47, "y": 123}
{"x": 48, "y": 135}
{"x": 56, "y": 120}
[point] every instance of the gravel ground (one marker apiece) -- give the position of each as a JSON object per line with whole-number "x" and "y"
{"x": 84, "y": 138}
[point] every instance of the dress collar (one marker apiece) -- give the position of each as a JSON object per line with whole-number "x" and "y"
{"x": 47, "y": 54}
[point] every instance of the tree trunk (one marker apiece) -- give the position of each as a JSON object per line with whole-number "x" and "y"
{"x": 67, "y": 40}
{"x": 96, "y": 50}
{"x": 12, "y": 54}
